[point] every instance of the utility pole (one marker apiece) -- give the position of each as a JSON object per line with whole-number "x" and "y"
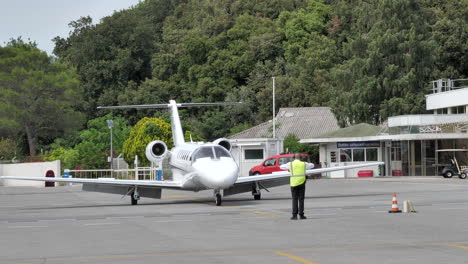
{"x": 274, "y": 122}
{"x": 110, "y": 124}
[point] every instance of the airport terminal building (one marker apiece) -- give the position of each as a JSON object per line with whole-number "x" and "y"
{"x": 407, "y": 144}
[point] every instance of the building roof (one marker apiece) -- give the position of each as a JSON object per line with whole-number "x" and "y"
{"x": 359, "y": 130}
{"x": 303, "y": 122}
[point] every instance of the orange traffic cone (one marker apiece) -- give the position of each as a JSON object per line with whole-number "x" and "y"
{"x": 394, "y": 205}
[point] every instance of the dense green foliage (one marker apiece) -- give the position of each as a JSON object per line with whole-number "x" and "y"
{"x": 8, "y": 149}
{"x": 38, "y": 97}
{"x": 145, "y": 131}
{"x": 368, "y": 60}
{"x": 92, "y": 146}
{"x": 291, "y": 144}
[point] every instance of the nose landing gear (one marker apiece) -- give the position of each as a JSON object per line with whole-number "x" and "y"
{"x": 218, "y": 197}
{"x": 134, "y": 195}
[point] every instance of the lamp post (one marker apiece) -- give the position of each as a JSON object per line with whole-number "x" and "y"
{"x": 274, "y": 123}
{"x": 110, "y": 124}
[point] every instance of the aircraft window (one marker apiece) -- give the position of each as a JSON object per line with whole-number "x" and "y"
{"x": 203, "y": 152}
{"x": 221, "y": 152}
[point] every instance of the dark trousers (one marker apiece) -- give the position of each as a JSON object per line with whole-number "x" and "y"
{"x": 298, "y": 193}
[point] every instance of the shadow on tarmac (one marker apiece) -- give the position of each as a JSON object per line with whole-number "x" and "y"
{"x": 230, "y": 201}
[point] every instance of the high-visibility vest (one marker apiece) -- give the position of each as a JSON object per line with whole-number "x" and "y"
{"x": 298, "y": 172}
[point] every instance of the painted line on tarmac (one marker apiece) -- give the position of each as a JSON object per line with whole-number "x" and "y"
{"x": 296, "y": 258}
{"x": 226, "y": 253}
{"x": 457, "y": 246}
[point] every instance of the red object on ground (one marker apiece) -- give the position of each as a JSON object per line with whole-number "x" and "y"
{"x": 365, "y": 173}
{"x": 50, "y": 173}
{"x": 396, "y": 173}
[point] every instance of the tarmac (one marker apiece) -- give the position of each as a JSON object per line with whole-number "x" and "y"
{"x": 348, "y": 222}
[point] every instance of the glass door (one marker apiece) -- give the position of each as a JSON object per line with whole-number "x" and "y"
{"x": 429, "y": 159}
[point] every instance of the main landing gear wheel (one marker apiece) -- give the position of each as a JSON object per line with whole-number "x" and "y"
{"x": 257, "y": 196}
{"x": 134, "y": 197}
{"x": 218, "y": 199}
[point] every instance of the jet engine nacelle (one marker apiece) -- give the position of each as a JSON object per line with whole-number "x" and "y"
{"x": 156, "y": 151}
{"x": 223, "y": 142}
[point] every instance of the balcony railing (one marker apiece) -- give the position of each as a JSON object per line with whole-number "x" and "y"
{"x": 445, "y": 85}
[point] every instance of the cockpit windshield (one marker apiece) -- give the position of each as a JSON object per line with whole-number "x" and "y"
{"x": 221, "y": 152}
{"x": 213, "y": 152}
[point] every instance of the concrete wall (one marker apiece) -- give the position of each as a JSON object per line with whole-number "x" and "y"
{"x": 35, "y": 169}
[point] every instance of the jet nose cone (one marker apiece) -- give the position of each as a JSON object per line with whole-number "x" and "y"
{"x": 217, "y": 174}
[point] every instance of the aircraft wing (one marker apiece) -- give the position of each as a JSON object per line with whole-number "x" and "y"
{"x": 247, "y": 184}
{"x": 103, "y": 181}
{"x": 312, "y": 171}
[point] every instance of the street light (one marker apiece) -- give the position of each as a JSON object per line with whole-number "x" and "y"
{"x": 274, "y": 123}
{"x": 110, "y": 124}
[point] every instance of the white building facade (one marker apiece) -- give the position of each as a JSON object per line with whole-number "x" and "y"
{"x": 408, "y": 144}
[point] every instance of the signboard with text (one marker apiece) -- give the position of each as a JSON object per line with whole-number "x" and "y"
{"x": 359, "y": 144}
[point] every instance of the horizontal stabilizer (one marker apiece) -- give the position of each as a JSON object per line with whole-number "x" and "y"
{"x": 147, "y": 106}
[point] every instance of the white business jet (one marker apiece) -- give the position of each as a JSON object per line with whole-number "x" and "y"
{"x": 194, "y": 167}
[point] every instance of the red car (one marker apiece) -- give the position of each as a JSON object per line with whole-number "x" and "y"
{"x": 273, "y": 163}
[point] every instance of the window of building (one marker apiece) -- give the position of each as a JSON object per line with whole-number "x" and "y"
{"x": 250, "y": 154}
{"x": 358, "y": 155}
{"x": 371, "y": 154}
{"x": 396, "y": 150}
{"x": 345, "y": 155}
{"x": 458, "y": 110}
{"x": 442, "y": 111}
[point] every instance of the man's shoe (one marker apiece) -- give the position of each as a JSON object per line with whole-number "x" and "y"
{"x": 303, "y": 217}
{"x": 294, "y": 217}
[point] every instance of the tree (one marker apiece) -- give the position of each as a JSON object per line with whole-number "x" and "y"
{"x": 38, "y": 96}
{"x": 388, "y": 54}
{"x": 144, "y": 132}
{"x": 291, "y": 144}
{"x": 94, "y": 147}
{"x": 8, "y": 149}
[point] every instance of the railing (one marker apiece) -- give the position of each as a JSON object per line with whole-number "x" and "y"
{"x": 144, "y": 173}
{"x": 445, "y": 85}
